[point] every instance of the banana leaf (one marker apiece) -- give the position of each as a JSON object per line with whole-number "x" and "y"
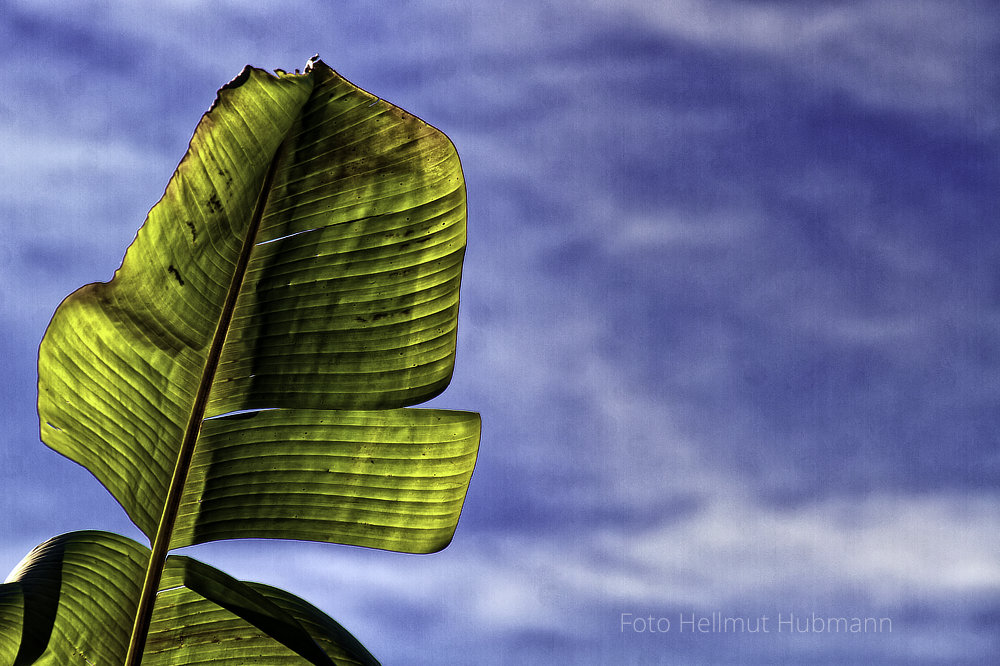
{"x": 51, "y": 603}
{"x": 248, "y": 371}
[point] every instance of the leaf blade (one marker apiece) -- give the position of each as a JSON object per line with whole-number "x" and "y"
{"x": 305, "y": 257}
{"x": 76, "y": 595}
{"x": 357, "y": 312}
{"x": 131, "y": 352}
{"x": 351, "y": 298}
{"x": 392, "y": 479}
{"x": 79, "y": 597}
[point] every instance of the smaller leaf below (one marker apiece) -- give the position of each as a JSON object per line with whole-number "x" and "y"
{"x": 73, "y": 600}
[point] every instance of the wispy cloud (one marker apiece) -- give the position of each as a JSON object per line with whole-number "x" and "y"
{"x": 894, "y": 54}
{"x": 907, "y": 557}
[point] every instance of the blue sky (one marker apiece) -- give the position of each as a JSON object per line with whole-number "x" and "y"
{"x": 730, "y": 308}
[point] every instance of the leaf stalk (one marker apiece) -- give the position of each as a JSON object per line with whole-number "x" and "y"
{"x": 165, "y": 528}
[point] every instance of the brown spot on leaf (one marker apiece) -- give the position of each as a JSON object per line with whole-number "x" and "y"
{"x": 214, "y": 204}
{"x": 176, "y": 273}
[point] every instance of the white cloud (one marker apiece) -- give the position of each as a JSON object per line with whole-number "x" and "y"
{"x": 884, "y": 555}
{"x": 929, "y": 54}
{"x": 895, "y": 548}
{"x": 677, "y": 230}
{"x": 58, "y": 172}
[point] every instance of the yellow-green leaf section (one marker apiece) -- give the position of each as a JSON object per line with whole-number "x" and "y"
{"x": 391, "y": 479}
{"x": 77, "y": 596}
{"x": 305, "y": 260}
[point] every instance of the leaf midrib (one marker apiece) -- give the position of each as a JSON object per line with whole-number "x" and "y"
{"x": 168, "y": 518}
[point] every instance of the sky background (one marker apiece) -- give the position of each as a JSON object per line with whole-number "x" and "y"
{"x": 730, "y": 308}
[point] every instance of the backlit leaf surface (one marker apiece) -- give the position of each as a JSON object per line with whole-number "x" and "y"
{"x": 80, "y": 581}
{"x": 306, "y": 259}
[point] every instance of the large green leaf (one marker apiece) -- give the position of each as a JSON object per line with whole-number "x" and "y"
{"x": 246, "y": 371}
{"x": 305, "y": 258}
{"x": 77, "y": 594}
